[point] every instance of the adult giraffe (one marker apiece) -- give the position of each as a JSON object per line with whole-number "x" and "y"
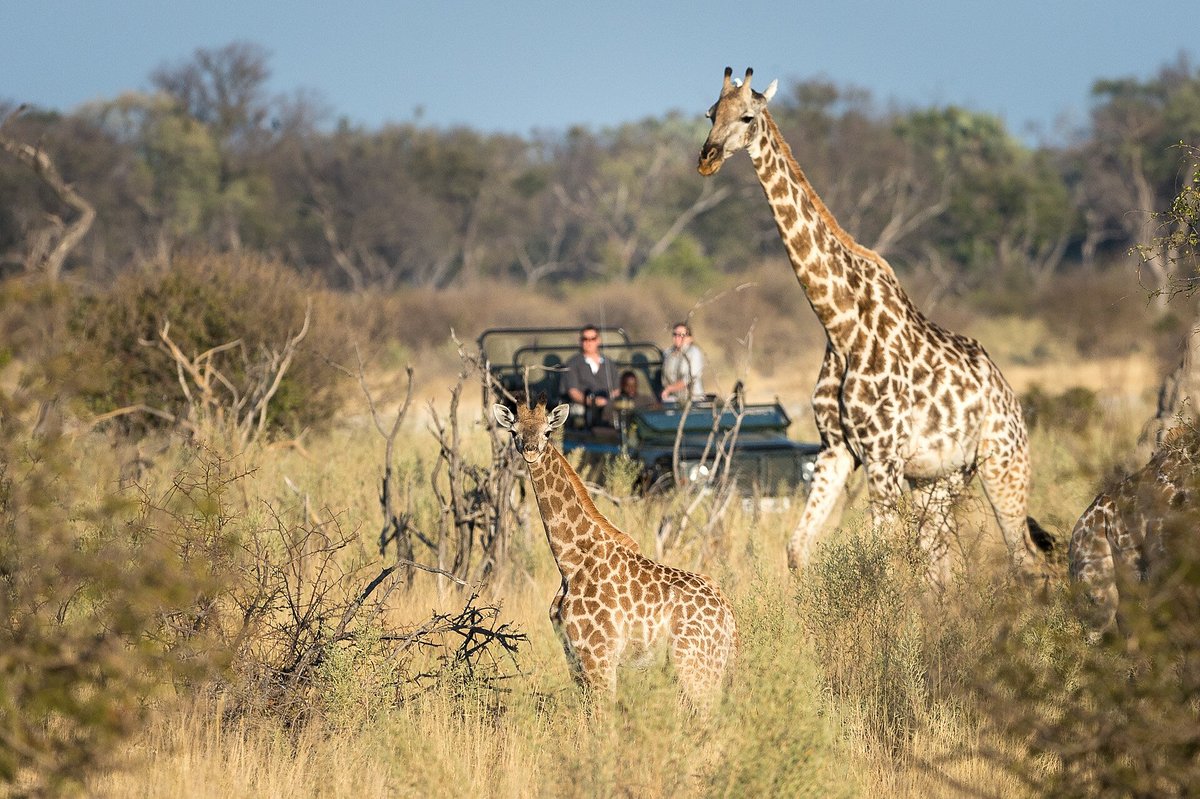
{"x": 898, "y": 394}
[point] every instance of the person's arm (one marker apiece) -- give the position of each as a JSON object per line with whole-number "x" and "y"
{"x": 695, "y": 359}
{"x": 576, "y": 378}
{"x": 671, "y": 388}
{"x": 571, "y": 381}
{"x": 675, "y": 386}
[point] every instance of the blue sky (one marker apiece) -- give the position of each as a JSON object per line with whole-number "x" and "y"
{"x": 519, "y": 66}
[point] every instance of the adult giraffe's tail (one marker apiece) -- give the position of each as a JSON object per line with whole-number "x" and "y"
{"x": 1040, "y": 536}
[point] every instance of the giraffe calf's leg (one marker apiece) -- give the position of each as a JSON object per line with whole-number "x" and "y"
{"x": 564, "y": 638}
{"x": 701, "y": 660}
{"x": 598, "y": 667}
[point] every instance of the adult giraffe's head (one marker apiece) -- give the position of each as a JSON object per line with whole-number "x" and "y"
{"x": 735, "y": 120}
{"x": 531, "y": 428}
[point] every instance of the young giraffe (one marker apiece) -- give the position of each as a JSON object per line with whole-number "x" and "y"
{"x": 898, "y": 394}
{"x": 1121, "y": 534}
{"x": 614, "y": 604}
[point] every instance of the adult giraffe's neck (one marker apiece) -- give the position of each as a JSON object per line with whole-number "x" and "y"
{"x": 574, "y": 527}
{"x": 841, "y": 279}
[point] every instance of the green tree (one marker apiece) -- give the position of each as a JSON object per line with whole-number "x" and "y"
{"x": 1008, "y": 211}
{"x": 1127, "y": 167}
{"x": 86, "y": 595}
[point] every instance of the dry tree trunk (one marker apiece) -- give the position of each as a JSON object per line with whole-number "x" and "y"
{"x": 54, "y": 244}
{"x": 213, "y": 398}
{"x": 480, "y": 502}
{"x": 713, "y": 495}
{"x": 1178, "y": 395}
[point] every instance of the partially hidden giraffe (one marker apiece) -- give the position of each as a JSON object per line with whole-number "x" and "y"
{"x": 1121, "y": 537}
{"x": 897, "y": 393}
{"x": 614, "y": 604}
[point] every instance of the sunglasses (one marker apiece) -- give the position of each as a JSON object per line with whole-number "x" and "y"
{"x": 589, "y": 338}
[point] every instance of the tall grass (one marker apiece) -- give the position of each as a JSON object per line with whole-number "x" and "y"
{"x": 854, "y": 678}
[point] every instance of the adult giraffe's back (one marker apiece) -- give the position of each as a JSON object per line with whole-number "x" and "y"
{"x": 897, "y": 393}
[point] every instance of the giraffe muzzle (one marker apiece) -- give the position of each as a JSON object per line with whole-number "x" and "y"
{"x": 711, "y": 158}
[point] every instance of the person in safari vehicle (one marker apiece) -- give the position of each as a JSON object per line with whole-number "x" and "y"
{"x": 590, "y": 380}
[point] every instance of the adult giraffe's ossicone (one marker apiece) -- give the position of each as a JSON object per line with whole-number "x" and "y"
{"x": 897, "y": 393}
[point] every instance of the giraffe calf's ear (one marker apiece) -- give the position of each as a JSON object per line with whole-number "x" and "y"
{"x": 770, "y": 92}
{"x": 503, "y": 416}
{"x": 558, "y": 417}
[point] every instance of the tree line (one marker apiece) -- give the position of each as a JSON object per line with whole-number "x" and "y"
{"x": 210, "y": 159}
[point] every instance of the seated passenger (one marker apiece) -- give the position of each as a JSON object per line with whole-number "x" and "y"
{"x": 683, "y": 367}
{"x": 628, "y": 397}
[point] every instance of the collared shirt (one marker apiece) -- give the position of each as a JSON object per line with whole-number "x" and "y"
{"x": 685, "y": 364}
{"x": 598, "y": 377}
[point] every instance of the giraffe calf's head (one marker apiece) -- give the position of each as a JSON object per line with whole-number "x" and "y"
{"x": 734, "y": 120}
{"x": 531, "y": 428}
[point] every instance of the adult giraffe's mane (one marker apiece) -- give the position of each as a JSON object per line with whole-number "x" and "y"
{"x": 843, "y": 237}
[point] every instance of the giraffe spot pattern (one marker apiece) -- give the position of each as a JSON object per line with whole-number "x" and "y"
{"x": 613, "y": 601}
{"x": 928, "y": 393}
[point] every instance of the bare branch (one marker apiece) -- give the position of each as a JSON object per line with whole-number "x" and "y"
{"x": 432, "y": 570}
{"x": 68, "y": 237}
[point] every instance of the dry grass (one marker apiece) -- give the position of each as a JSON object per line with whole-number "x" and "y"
{"x": 783, "y": 729}
{"x": 869, "y": 702}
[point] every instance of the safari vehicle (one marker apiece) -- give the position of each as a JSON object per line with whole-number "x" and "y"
{"x": 672, "y": 442}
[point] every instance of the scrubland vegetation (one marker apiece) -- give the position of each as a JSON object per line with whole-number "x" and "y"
{"x": 204, "y": 595}
{"x": 187, "y": 605}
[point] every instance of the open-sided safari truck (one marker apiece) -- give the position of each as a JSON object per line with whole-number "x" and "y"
{"x": 670, "y": 441}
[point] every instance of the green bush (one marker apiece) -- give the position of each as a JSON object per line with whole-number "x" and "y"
{"x": 211, "y": 300}
{"x": 85, "y": 597}
{"x": 1074, "y": 410}
{"x": 1113, "y": 719}
{"x": 860, "y": 602}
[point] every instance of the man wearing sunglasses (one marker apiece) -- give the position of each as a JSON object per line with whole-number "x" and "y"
{"x": 591, "y": 379}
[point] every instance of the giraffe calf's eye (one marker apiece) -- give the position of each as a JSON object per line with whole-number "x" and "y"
{"x": 747, "y": 119}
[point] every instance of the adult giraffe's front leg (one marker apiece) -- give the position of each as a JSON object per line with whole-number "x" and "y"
{"x": 885, "y": 486}
{"x": 834, "y": 464}
{"x": 933, "y": 504}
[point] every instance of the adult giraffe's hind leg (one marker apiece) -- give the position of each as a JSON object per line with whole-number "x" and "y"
{"x": 1005, "y": 473}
